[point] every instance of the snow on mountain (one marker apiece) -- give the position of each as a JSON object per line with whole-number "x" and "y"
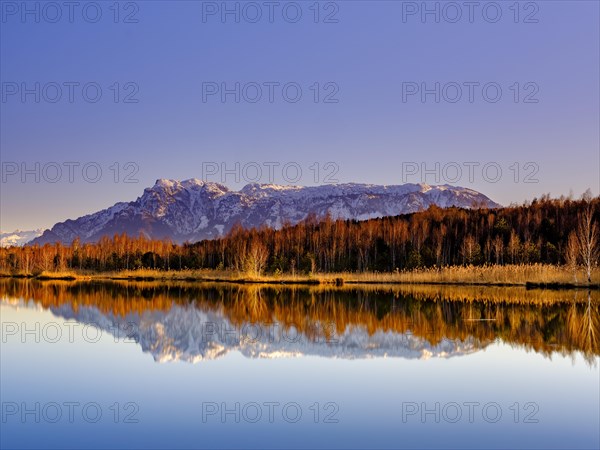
{"x": 192, "y": 210}
{"x": 18, "y": 238}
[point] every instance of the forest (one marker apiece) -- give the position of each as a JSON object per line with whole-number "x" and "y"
{"x": 548, "y": 231}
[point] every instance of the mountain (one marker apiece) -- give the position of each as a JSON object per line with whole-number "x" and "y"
{"x": 193, "y": 210}
{"x": 18, "y": 237}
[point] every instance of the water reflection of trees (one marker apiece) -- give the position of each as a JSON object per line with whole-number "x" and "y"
{"x": 543, "y": 321}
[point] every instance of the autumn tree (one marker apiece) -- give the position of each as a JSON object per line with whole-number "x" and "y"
{"x": 470, "y": 250}
{"x": 587, "y": 236}
{"x": 255, "y": 259}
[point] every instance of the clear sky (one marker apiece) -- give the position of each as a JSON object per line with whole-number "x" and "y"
{"x": 365, "y": 116}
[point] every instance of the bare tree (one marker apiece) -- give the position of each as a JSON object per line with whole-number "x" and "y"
{"x": 256, "y": 259}
{"x": 587, "y": 235}
{"x": 470, "y": 249}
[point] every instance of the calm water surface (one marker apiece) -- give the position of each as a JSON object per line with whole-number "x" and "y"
{"x": 148, "y": 365}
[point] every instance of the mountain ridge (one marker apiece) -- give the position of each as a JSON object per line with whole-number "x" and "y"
{"x": 192, "y": 209}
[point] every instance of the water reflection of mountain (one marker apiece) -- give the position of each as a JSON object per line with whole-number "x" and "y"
{"x": 180, "y": 321}
{"x": 192, "y": 334}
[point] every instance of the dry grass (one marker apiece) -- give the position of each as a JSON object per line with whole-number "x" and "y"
{"x": 486, "y": 275}
{"x": 207, "y": 275}
{"x": 62, "y": 275}
{"x": 509, "y": 275}
{"x": 156, "y": 274}
{"x": 17, "y": 274}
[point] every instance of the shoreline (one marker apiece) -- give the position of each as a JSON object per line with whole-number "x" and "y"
{"x": 327, "y": 279}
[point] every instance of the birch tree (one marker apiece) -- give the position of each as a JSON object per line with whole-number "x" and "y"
{"x": 587, "y": 236}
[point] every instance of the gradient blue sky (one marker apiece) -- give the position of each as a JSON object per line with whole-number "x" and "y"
{"x": 369, "y": 133}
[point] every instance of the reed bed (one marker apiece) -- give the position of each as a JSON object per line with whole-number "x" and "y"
{"x": 487, "y": 274}
{"x": 506, "y": 275}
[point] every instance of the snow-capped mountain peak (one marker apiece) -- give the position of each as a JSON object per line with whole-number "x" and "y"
{"x": 193, "y": 209}
{"x": 18, "y": 237}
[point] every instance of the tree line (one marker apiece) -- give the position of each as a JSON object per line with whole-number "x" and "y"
{"x": 552, "y": 231}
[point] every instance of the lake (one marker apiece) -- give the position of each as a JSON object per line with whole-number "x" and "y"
{"x": 184, "y": 365}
